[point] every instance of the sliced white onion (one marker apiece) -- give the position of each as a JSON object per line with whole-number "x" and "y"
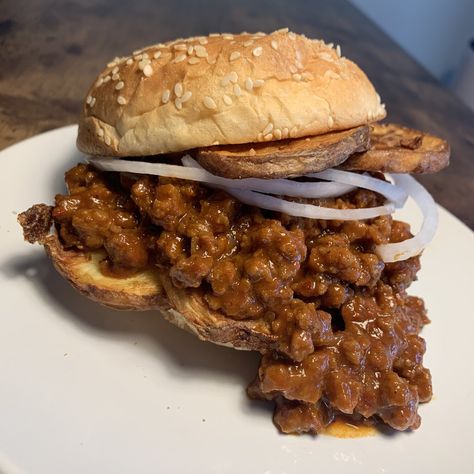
{"x": 284, "y": 187}
{"x": 297, "y": 209}
{"x": 392, "y": 192}
{"x": 271, "y": 203}
{"x": 414, "y": 246}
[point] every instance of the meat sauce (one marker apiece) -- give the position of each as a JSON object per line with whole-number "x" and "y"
{"x": 347, "y": 330}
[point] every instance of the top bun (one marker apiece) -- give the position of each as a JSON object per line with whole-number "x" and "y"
{"x": 223, "y": 89}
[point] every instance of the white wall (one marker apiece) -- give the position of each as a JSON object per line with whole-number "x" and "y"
{"x": 435, "y": 32}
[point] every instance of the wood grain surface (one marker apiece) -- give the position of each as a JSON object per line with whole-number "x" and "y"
{"x": 50, "y": 51}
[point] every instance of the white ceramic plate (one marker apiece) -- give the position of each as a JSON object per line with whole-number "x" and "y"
{"x": 84, "y": 389}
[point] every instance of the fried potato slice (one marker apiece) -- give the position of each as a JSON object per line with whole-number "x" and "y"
{"x": 284, "y": 158}
{"x": 147, "y": 290}
{"x": 397, "y": 149}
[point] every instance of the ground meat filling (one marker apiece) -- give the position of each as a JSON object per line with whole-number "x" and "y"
{"x": 348, "y": 333}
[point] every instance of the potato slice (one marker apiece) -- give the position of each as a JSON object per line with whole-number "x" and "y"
{"x": 284, "y": 158}
{"x": 147, "y": 290}
{"x": 397, "y": 149}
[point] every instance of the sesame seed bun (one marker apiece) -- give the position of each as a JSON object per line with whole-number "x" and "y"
{"x": 224, "y": 89}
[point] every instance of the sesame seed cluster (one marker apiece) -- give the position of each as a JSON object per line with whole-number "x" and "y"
{"x": 240, "y": 69}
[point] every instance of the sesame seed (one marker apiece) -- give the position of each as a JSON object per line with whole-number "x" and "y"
{"x": 93, "y": 101}
{"x": 115, "y": 77}
{"x": 228, "y": 36}
{"x": 111, "y": 64}
{"x": 297, "y": 77}
{"x": 157, "y": 55}
{"x": 209, "y": 102}
{"x": 203, "y": 41}
{"x": 143, "y": 63}
{"x": 277, "y": 133}
{"x": 178, "y": 103}
{"x": 180, "y": 47}
{"x": 138, "y": 57}
{"x": 258, "y": 83}
{"x": 257, "y": 51}
{"x": 248, "y": 43}
{"x": 186, "y": 96}
{"x": 252, "y": 152}
{"x": 237, "y": 90}
{"x": 89, "y": 99}
{"x": 338, "y": 50}
{"x": 326, "y": 57}
{"x": 330, "y": 74}
{"x": 214, "y": 35}
{"x": 260, "y": 33}
{"x": 201, "y": 51}
{"x": 259, "y": 137}
{"x": 291, "y": 35}
{"x": 121, "y": 100}
{"x": 282, "y": 30}
{"x": 330, "y": 121}
{"x": 216, "y": 142}
{"x": 293, "y": 69}
{"x": 268, "y": 129}
{"x": 307, "y": 76}
{"x": 378, "y": 97}
{"x": 100, "y": 132}
{"x": 108, "y": 141}
{"x": 274, "y": 45}
{"x": 147, "y": 70}
{"x": 145, "y": 56}
{"x": 179, "y": 58}
{"x": 285, "y": 133}
{"x": 119, "y": 85}
{"x": 248, "y": 84}
{"x": 178, "y": 89}
{"x": 106, "y": 79}
{"x": 231, "y": 77}
{"x": 211, "y": 61}
{"x": 193, "y": 60}
{"x": 234, "y": 55}
{"x": 129, "y": 61}
{"x": 137, "y": 51}
{"x": 190, "y": 50}
{"x": 293, "y": 132}
{"x": 330, "y": 45}
{"x": 227, "y": 100}
{"x": 268, "y": 137}
{"x": 101, "y": 80}
{"x": 165, "y": 97}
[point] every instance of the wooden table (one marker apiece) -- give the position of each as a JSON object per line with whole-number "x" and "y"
{"x": 51, "y": 51}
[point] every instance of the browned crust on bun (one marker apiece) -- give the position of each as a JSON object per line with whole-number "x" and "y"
{"x": 223, "y": 89}
{"x": 284, "y": 158}
{"x": 398, "y": 149}
{"x": 147, "y": 290}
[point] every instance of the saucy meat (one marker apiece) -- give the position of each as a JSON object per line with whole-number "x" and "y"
{"x": 347, "y": 330}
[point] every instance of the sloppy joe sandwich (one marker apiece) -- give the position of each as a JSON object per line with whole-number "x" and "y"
{"x": 239, "y": 186}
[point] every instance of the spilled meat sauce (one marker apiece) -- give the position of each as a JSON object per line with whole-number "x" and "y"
{"x": 347, "y": 330}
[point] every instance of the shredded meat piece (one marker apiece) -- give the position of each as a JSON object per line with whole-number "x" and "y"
{"x": 36, "y": 222}
{"x": 348, "y": 333}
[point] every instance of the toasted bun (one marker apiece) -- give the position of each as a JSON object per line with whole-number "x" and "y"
{"x": 223, "y": 89}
